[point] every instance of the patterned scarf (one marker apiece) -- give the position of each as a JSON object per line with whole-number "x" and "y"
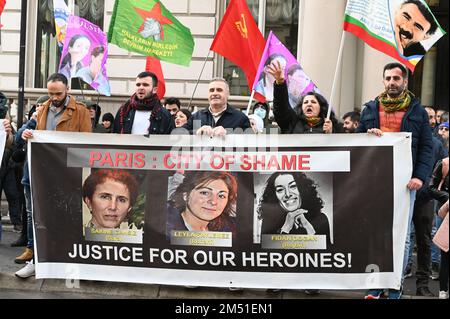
{"x": 400, "y": 103}
{"x": 149, "y": 104}
{"x": 313, "y": 121}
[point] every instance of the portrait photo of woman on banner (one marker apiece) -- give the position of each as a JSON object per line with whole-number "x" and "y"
{"x": 203, "y": 202}
{"x": 289, "y": 203}
{"x": 85, "y": 53}
{"x": 109, "y": 196}
{"x": 76, "y": 50}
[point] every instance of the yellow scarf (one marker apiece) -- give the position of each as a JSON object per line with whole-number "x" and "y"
{"x": 313, "y": 121}
{"x": 400, "y": 103}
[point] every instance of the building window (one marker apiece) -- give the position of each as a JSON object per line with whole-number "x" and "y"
{"x": 281, "y": 17}
{"x": 48, "y": 53}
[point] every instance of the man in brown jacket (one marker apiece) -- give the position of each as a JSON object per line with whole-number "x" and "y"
{"x": 60, "y": 113}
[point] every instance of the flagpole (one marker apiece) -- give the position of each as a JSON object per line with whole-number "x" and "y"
{"x": 81, "y": 86}
{"x": 198, "y": 80}
{"x": 250, "y": 102}
{"x": 338, "y": 66}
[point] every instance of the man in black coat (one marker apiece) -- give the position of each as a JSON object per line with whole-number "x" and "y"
{"x": 143, "y": 113}
{"x": 397, "y": 110}
{"x": 219, "y": 118}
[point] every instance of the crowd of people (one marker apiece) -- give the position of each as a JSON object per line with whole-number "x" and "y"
{"x": 291, "y": 211}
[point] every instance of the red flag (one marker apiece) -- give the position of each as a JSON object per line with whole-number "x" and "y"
{"x": 239, "y": 40}
{"x": 2, "y": 6}
{"x": 154, "y": 65}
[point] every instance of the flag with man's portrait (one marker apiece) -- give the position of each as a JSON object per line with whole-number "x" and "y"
{"x": 148, "y": 28}
{"x": 402, "y": 29}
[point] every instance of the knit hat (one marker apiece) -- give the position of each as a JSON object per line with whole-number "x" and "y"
{"x": 42, "y": 99}
{"x": 444, "y": 124}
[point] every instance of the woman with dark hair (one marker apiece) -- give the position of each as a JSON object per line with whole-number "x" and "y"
{"x": 204, "y": 201}
{"x": 182, "y": 117}
{"x": 107, "y": 122}
{"x": 79, "y": 46}
{"x": 311, "y": 111}
{"x": 290, "y": 204}
{"x": 109, "y": 195}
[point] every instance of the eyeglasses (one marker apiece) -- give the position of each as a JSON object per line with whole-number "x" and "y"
{"x": 443, "y": 128}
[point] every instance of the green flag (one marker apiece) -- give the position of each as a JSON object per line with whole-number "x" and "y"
{"x": 148, "y": 28}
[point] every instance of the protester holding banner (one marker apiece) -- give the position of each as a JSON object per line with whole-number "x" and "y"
{"x": 204, "y": 201}
{"x": 59, "y": 113}
{"x": 143, "y": 113}
{"x": 397, "y": 110}
{"x": 109, "y": 195}
{"x": 219, "y": 116}
{"x": 312, "y": 109}
{"x": 26, "y": 237}
{"x": 290, "y": 204}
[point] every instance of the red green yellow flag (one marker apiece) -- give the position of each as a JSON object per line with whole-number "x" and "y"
{"x": 148, "y": 28}
{"x": 402, "y": 29}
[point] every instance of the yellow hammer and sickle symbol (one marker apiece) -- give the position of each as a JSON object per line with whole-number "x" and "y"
{"x": 242, "y": 27}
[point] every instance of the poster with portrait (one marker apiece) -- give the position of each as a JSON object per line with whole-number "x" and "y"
{"x": 85, "y": 53}
{"x": 402, "y": 29}
{"x": 298, "y": 82}
{"x": 244, "y": 211}
{"x": 113, "y": 205}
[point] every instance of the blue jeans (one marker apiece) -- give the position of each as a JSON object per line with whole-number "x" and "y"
{"x": 28, "y": 206}
{"x": 435, "y": 251}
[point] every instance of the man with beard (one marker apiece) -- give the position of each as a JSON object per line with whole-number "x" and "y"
{"x": 397, "y": 110}
{"x": 351, "y": 121}
{"x": 59, "y": 113}
{"x": 413, "y": 22}
{"x": 143, "y": 113}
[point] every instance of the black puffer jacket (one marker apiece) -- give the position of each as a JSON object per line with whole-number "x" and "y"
{"x": 291, "y": 122}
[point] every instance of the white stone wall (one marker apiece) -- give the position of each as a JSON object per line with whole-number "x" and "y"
{"x": 9, "y": 50}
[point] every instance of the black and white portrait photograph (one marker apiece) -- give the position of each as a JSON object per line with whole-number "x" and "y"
{"x": 293, "y": 203}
